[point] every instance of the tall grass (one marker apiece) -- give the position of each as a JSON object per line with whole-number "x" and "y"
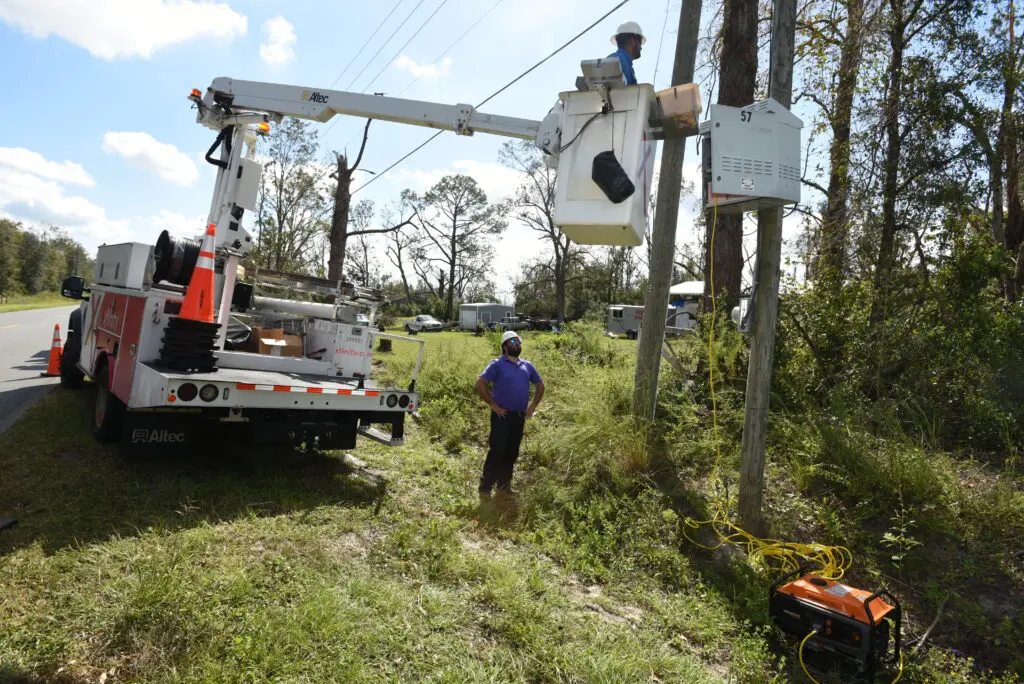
{"x": 595, "y": 499}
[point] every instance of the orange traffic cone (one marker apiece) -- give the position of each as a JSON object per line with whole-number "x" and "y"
{"x": 53, "y": 367}
{"x": 198, "y": 304}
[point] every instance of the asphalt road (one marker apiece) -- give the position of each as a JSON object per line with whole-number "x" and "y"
{"x": 25, "y": 338}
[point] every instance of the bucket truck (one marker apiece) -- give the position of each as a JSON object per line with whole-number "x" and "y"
{"x": 294, "y": 371}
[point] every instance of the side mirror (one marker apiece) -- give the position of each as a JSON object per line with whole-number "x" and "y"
{"x": 73, "y": 287}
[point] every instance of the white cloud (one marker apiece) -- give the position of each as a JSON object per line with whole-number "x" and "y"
{"x": 174, "y": 223}
{"x": 110, "y": 29}
{"x": 406, "y": 63}
{"x": 32, "y": 192}
{"x": 20, "y": 159}
{"x": 280, "y": 37}
{"x": 40, "y": 203}
{"x": 143, "y": 151}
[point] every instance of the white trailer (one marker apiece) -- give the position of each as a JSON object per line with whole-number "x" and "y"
{"x": 626, "y": 319}
{"x": 471, "y": 315}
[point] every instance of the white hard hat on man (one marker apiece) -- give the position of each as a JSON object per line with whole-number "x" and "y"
{"x": 630, "y": 28}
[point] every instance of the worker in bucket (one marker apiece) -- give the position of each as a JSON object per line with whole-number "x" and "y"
{"x": 629, "y": 39}
{"x": 509, "y": 399}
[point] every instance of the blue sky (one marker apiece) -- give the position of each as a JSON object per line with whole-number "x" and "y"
{"x": 97, "y": 135}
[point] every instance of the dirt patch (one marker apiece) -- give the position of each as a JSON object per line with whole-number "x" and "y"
{"x": 349, "y": 545}
{"x": 593, "y": 598}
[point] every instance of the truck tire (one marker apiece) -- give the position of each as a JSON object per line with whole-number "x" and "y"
{"x": 108, "y": 411}
{"x": 70, "y": 376}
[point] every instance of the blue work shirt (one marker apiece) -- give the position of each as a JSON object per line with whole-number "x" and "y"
{"x": 627, "y": 65}
{"x": 511, "y": 382}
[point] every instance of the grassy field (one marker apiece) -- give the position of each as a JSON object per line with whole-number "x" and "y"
{"x": 262, "y": 566}
{"x": 43, "y": 300}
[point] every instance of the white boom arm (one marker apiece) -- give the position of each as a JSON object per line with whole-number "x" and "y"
{"x": 321, "y": 105}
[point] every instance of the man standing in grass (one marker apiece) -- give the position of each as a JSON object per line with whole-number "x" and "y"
{"x": 509, "y": 399}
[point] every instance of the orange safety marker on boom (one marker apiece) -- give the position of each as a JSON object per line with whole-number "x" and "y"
{"x": 53, "y": 367}
{"x": 198, "y": 304}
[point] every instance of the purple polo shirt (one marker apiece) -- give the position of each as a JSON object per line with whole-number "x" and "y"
{"x": 511, "y": 382}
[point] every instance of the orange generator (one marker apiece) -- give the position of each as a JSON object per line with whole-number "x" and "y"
{"x": 851, "y": 627}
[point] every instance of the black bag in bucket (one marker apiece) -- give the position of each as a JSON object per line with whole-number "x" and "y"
{"x": 611, "y": 177}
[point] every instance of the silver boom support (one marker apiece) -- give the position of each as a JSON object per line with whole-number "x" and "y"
{"x": 321, "y": 105}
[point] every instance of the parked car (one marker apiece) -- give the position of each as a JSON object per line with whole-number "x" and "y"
{"x": 543, "y": 323}
{"x": 510, "y": 323}
{"x": 424, "y": 323}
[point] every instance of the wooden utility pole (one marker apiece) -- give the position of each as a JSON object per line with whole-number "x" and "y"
{"x": 663, "y": 240}
{"x": 766, "y": 304}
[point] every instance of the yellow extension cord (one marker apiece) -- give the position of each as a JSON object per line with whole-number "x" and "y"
{"x": 833, "y": 561}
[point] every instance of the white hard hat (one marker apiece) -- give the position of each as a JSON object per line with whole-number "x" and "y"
{"x": 631, "y": 27}
{"x": 510, "y": 335}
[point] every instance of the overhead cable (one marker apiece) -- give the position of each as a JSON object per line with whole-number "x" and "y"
{"x": 453, "y": 44}
{"x": 436, "y": 59}
{"x": 404, "y": 45}
{"x": 499, "y": 91}
{"x": 363, "y": 46}
{"x": 384, "y": 44}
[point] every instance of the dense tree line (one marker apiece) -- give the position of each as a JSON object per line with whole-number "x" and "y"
{"x": 33, "y": 262}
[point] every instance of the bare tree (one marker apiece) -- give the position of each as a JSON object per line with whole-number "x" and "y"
{"x": 361, "y": 264}
{"x": 399, "y": 247}
{"x": 342, "y": 202}
{"x": 456, "y": 221}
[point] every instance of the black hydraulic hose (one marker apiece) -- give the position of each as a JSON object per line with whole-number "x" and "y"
{"x": 213, "y": 148}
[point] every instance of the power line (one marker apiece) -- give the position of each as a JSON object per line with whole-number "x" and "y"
{"x": 380, "y": 49}
{"x": 453, "y": 44}
{"x": 363, "y": 47}
{"x": 414, "y": 151}
{"x": 499, "y": 91}
{"x": 661, "y": 42}
{"x": 571, "y": 41}
{"x": 384, "y": 44}
{"x": 435, "y": 60}
{"x": 399, "y": 51}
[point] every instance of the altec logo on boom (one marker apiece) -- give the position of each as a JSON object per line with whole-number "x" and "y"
{"x": 314, "y": 96}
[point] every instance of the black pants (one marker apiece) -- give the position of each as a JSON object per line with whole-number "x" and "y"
{"x": 506, "y": 436}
